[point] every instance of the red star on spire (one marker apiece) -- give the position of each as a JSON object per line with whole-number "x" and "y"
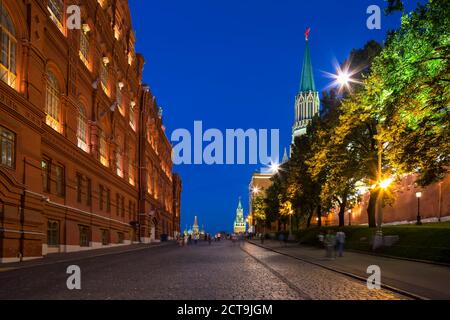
{"x": 308, "y": 30}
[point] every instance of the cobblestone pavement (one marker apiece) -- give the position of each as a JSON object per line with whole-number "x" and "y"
{"x": 316, "y": 282}
{"x": 219, "y": 271}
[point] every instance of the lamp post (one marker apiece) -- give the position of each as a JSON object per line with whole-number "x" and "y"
{"x": 290, "y": 224}
{"x": 349, "y": 217}
{"x": 254, "y": 193}
{"x": 419, "y": 219}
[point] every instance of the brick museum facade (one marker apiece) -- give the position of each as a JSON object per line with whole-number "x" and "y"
{"x": 85, "y": 162}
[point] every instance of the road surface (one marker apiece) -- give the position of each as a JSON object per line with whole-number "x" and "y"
{"x": 222, "y": 270}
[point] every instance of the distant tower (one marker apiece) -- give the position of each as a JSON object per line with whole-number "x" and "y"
{"x": 307, "y": 102}
{"x": 239, "y": 222}
{"x": 195, "y": 229}
{"x": 285, "y": 156}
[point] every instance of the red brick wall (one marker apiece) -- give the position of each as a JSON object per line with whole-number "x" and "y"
{"x": 22, "y": 111}
{"x": 404, "y": 206}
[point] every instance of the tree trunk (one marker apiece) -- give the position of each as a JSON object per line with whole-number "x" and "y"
{"x": 308, "y": 222}
{"x": 371, "y": 208}
{"x": 342, "y": 215}
{"x": 342, "y": 207}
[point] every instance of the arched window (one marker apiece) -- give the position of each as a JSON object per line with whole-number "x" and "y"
{"x": 52, "y": 105}
{"x": 8, "y": 48}
{"x": 133, "y": 115}
{"x": 103, "y": 150}
{"x": 84, "y": 44}
{"x": 119, "y": 158}
{"x": 119, "y": 97}
{"x": 56, "y": 8}
{"x": 82, "y": 129}
{"x": 131, "y": 166}
{"x": 104, "y": 76}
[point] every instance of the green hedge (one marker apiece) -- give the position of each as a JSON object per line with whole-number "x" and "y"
{"x": 426, "y": 242}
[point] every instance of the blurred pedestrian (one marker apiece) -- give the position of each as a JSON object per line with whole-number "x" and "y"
{"x": 321, "y": 239}
{"x": 330, "y": 243}
{"x": 281, "y": 238}
{"x": 196, "y": 237}
{"x": 340, "y": 240}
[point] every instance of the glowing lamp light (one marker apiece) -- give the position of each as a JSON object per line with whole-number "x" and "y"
{"x": 274, "y": 167}
{"x": 386, "y": 183}
{"x": 343, "y": 78}
{"x": 255, "y": 190}
{"x": 418, "y": 194}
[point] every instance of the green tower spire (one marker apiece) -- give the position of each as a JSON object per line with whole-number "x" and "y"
{"x": 240, "y": 225}
{"x": 307, "y": 80}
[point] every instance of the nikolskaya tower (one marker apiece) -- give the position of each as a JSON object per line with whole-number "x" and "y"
{"x": 307, "y": 102}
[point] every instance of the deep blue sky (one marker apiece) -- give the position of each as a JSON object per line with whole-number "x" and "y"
{"x": 237, "y": 64}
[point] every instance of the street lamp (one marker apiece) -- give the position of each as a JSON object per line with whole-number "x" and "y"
{"x": 255, "y": 190}
{"x": 382, "y": 185}
{"x": 419, "y": 219}
{"x": 349, "y": 217}
{"x": 274, "y": 167}
{"x": 290, "y": 223}
{"x": 343, "y": 77}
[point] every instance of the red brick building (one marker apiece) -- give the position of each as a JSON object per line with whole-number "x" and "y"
{"x": 84, "y": 159}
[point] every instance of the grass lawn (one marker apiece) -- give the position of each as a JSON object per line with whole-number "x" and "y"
{"x": 426, "y": 242}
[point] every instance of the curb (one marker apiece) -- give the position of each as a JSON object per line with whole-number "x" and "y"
{"x": 14, "y": 268}
{"x": 349, "y": 274}
{"x": 442, "y": 264}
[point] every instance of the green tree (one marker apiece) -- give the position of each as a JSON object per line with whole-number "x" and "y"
{"x": 307, "y": 197}
{"x": 272, "y": 202}
{"x": 259, "y": 208}
{"x": 411, "y": 78}
{"x": 337, "y": 163}
{"x": 345, "y": 149}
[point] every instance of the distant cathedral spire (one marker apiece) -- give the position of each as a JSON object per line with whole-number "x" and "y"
{"x": 307, "y": 101}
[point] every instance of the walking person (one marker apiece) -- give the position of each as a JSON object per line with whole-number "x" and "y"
{"x": 330, "y": 243}
{"x": 281, "y": 238}
{"x": 209, "y": 239}
{"x": 340, "y": 240}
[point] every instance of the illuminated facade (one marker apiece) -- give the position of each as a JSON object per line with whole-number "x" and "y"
{"x": 85, "y": 162}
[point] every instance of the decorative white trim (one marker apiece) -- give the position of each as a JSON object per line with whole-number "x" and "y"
{"x": 75, "y": 209}
{"x": 146, "y": 240}
{"x": 21, "y": 232}
{"x": 13, "y": 260}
